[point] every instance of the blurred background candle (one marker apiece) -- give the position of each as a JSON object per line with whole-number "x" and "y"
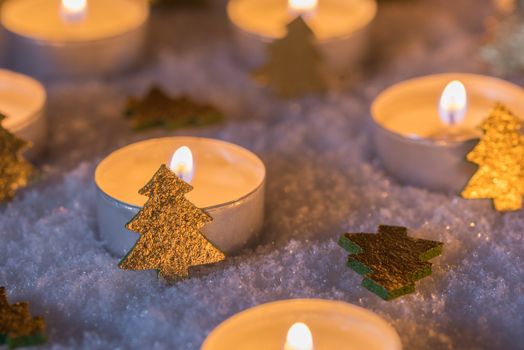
{"x": 424, "y": 127}
{"x": 74, "y": 38}
{"x": 228, "y": 183}
{"x": 304, "y": 324}
{"x": 23, "y": 101}
{"x": 340, "y": 27}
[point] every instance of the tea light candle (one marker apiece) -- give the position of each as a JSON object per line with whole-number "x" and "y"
{"x": 425, "y": 127}
{"x": 304, "y": 324}
{"x": 73, "y": 38}
{"x": 228, "y": 183}
{"x": 23, "y": 100}
{"x": 340, "y": 26}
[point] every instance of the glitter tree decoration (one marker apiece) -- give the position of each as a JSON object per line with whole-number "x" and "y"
{"x": 294, "y": 64}
{"x": 500, "y": 156}
{"x": 17, "y": 327}
{"x": 170, "y": 241}
{"x": 390, "y": 261}
{"x": 15, "y": 171}
{"x": 157, "y": 108}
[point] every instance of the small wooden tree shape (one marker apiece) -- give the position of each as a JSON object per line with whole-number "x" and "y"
{"x": 390, "y": 261}
{"x": 157, "y": 108}
{"x": 500, "y": 156}
{"x": 15, "y": 171}
{"x": 17, "y": 327}
{"x": 170, "y": 241}
{"x": 294, "y": 66}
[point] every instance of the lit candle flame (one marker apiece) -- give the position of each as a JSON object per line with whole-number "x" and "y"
{"x": 73, "y": 10}
{"x": 299, "y": 337}
{"x": 182, "y": 164}
{"x": 302, "y": 7}
{"x": 453, "y": 103}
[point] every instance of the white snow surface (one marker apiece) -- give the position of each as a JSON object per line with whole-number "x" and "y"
{"x": 324, "y": 179}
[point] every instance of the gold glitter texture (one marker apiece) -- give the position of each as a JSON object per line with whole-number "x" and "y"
{"x": 500, "y": 156}
{"x": 294, "y": 66}
{"x": 15, "y": 171}
{"x": 159, "y": 109}
{"x": 170, "y": 241}
{"x": 390, "y": 261}
{"x": 17, "y": 327}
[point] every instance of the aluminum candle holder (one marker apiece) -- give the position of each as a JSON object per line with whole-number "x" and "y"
{"x": 103, "y": 37}
{"x": 341, "y": 28}
{"x": 23, "y": 101}
{"x": 408, "y": 133}
{"x": 312, "y": 324}
{"x": 229, "y": 184}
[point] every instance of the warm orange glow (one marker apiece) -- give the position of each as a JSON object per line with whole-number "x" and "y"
{"x": 299, "y": 337}
{"x": 453, "y": 103}
{"x": 182, "y": 163}
{"x": 302, "y": 6}
{"x": 73, "y": 10}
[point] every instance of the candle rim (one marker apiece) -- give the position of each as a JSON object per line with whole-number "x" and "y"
{"x": 309, "y": 304}
{"x": 387, "y": 93}
{"x": 80, "y": 40}
{"x": 25, "y": 82}
{"x": 77, "y": 41}
{"x": 223, "y": 205}
{"x": 269, "y": 38}
{"x": 211, "y": 208}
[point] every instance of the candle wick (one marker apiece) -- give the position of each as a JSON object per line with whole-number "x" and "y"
{"x": 452, "y": 118}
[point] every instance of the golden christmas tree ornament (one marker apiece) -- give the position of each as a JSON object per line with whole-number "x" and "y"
{"x": 390, "y": 260}
{"x": 500, "y": 157}
{"x": 294, "y": 66}
{"x": 17, "y": 327}
{"x": 157, "y": 109}
{"x": 170, "y": 241}
{"x": 15, "y": 171}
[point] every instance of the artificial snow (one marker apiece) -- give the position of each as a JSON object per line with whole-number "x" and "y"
{"x": 323, "y": 180}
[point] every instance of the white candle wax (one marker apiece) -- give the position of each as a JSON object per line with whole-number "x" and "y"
{"x": 22, "y": 100}
{"x": 333, "y": 325}
{"x": 339, "y": 26}
{"x": 47, "y": 41}
{"x": 410, "y": 137}
{"x": 228, "y": 183}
